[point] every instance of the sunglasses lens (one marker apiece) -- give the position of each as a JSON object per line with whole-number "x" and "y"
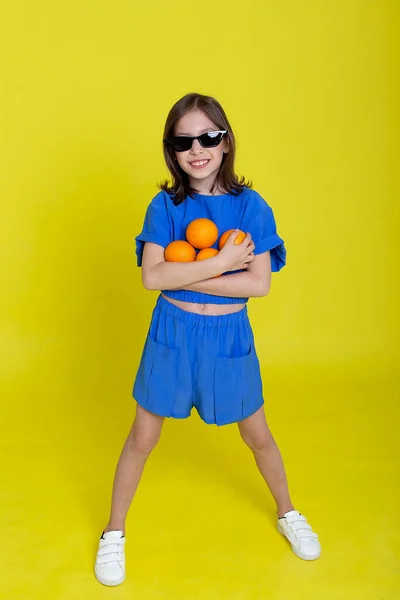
{"x": 211, "y": 139}
{"x": 181, "y": 143}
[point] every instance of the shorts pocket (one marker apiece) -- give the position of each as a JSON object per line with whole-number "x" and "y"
{"x": 237, "y": 387}
{"x": 156, "y": 379}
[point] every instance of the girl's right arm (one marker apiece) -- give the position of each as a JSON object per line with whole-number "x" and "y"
{"x": 157, "y": 274}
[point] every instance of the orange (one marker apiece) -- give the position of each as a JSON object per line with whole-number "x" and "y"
{"x": 239, "y": 239}
{"x": 207, "y": 253}
{"x": 179, "y": 251}
{"x": 202, "y": 233}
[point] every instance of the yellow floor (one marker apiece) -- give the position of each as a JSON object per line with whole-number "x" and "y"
{"x": 202, "y": 526}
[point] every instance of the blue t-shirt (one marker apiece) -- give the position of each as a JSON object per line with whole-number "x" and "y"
{"x": 164, "y": 222}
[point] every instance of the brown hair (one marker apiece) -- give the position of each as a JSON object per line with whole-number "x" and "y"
{"x": 226, "y": 180}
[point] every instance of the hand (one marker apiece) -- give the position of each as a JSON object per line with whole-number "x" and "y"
{"x": 235, "y": 257}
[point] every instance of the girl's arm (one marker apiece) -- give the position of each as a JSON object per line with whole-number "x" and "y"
{"x": 157, "y": 274}
{"x": 253, "y": 282}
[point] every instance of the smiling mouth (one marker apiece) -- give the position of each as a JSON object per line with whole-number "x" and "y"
{"x": 199, "y": 164}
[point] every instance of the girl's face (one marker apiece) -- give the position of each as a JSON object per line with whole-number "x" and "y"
{"x": 201, "y": 164}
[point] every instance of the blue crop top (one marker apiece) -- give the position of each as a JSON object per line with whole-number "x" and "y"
{"x": 164, "y": 222}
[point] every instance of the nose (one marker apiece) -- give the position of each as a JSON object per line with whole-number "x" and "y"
{"x": 196, "y": 148}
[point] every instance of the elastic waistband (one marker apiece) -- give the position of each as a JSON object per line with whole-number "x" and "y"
{"x": 174, "y": 311}
{"x": 201, "y": 298}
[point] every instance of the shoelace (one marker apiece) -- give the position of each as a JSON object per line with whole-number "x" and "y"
{"x": 111, "y": 550}
{"x": 299, "y": 526}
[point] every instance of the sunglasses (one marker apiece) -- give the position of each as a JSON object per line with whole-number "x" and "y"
{"x": 183, "y": 143}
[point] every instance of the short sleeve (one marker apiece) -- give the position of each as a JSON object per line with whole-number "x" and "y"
{"x": 156, "y": 226}
{"x": 259, "y": 220}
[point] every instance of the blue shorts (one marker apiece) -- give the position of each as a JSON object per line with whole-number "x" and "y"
{"x": 208, "y": 362}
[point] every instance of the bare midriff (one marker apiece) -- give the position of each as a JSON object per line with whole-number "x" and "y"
{"x": 212, "y": 310}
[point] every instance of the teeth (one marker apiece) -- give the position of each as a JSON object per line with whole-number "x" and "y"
{"x": 199, "y": 163}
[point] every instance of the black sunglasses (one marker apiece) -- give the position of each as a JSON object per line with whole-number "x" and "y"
{"x": 183, "y": 143}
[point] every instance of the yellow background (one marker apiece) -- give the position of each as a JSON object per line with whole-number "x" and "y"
{"x": 312, "y": 93}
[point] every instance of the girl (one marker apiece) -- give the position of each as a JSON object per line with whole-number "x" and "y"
{"x": 200, "y": 349}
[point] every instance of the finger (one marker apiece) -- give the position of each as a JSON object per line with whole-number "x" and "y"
{"x": 247, "y": 239}
{"x": 251, "y": 247}
{"x": 250, "y": 258}
{"x": 231, "y": 239}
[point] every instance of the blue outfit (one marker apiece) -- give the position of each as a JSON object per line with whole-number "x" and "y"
{"x": 191, "y": 360}
{"x": 202, "y": 361}
{"x": 248, "y": 211}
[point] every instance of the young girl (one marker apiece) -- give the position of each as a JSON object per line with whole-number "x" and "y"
{"x": 200, "y": 349}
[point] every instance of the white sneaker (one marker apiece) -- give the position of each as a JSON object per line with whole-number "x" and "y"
{"x": 110, "y": 560}
{"x": 303, "y": 540}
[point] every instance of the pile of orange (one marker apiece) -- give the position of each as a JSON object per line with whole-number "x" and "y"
{"x": 201, "y": 234}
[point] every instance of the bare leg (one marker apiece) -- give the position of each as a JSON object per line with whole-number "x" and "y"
{"x": 256, "y": 434}
{"x": 141, "y": 440}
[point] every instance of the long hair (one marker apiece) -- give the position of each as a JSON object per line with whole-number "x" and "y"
{"x": 226, "y": 180}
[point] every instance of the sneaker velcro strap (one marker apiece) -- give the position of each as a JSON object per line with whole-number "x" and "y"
{"x": 110, "y": 550}
{"x": 298, "y": 524}
{"x": 109, "y": 558}
{"x": 305, "y": 533}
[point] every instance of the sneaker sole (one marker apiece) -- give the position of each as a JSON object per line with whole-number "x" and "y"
{"x": 296, "y": 552}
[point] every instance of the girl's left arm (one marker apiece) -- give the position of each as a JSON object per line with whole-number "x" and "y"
{"x": 254, "y": 281}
